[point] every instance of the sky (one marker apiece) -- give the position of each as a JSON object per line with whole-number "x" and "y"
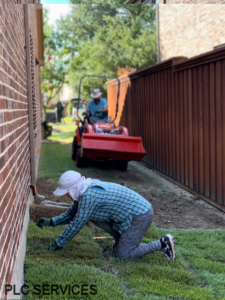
{"x": 56, "y": 10}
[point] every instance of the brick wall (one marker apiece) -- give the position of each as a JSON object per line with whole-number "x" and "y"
{"x": 35, "y": 72}
{"x": 189, "y": 30}
{"x": 15, "y": 168}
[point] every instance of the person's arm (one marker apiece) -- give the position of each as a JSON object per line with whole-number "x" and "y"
{"x": 86, "y": 208}
{"x": 105, "y": 108}
{"x": 66, "y": 216}
{"x": 62, "y": 219}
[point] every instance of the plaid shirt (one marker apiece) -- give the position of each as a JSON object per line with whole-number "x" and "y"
{"x": 102, "y": 202}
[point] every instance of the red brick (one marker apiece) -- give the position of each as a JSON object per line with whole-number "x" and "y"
{"x": 15, "y": 177}
{"x": 194, "y": 29}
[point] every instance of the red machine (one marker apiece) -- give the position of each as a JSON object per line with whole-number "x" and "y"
{"x": 105, "y": 141}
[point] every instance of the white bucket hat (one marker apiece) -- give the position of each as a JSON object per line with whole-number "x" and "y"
{"x": 73, "y": 183}
{"x": 96, "y": 93}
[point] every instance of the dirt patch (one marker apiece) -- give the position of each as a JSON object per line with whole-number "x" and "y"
{"x": 176, "y": 208}
{"x": 46, "y": 188}
{"x": 38, "y": 211}
{"x": 173, "y": 206}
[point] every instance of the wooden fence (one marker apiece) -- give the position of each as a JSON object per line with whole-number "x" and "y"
{"x": 178, "y": 108}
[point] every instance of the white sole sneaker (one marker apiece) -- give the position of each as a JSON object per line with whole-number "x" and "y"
{"x": 169, "y": 250}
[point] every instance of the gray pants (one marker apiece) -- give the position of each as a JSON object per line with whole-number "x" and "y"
{"x": 130, "y": 239}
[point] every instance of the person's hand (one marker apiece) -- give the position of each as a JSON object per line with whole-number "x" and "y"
{"x": 53, "y": 247}
{"x": 43, "y": 222}
{"x": 99, "y": 110}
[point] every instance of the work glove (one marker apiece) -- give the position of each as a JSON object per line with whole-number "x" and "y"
{"x": 99, "y": 111}
{"x": 53, "y": 247}
{"x": 43, "y": 222}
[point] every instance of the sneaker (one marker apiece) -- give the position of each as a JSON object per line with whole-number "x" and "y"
{"x": 168, "y": 245}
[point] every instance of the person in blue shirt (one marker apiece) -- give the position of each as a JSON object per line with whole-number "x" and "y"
{"x": 120, "y": 211}
{"x": 98, "y": 107}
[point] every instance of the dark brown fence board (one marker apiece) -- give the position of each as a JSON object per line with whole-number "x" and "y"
{"x": 150, "y": 115}
{"x": 181, "y": 125}
{"x": 218, "y": 134}
{"x": 212, "y": 132}
{"x": 177, "y": 111}
{"x": 195, "y": 128}
{"x": 173, "y": 101}
{"x": 190, "y": 130}
{"x": 154, "y": 119}
{"x": 206, "y": 140}
{"x": 157, "y": 129}
{"x": 169, "y": 132}
{"x": 200, "y": 131}
{"x": 166, "y": 124}
{"x": 159, "y": 113}
{"x": 163, "y": 117}
{"x": 223, "y": 127}
{"x": 186, "y": 158}
{"x": 177, "y": 107}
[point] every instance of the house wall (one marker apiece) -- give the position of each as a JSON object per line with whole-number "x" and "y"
{"x": 189, "y": 30}
{"x": 15, "y": 166}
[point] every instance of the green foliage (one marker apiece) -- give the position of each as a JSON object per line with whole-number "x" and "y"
{"x": 53, "y": 73}
{"x": 103, "y": 38}
{"x": 70, "y": 107}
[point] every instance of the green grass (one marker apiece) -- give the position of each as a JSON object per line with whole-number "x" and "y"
{"x": 55, "y": 159}
{"x": 198, "y": 273}
{"x": 67, "y": 120}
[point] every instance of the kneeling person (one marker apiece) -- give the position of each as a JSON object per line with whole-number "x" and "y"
{"x": 121, "y": 212}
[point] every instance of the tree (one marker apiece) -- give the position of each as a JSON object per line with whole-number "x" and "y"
{"x": 54, "y": 72}
{"x": 106, "y": 37}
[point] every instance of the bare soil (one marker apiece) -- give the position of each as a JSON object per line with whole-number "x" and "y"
{"x": 173, "y": 206}
{"x": 45, "y": 187}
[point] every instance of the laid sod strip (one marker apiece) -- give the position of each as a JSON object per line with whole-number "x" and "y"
{"x": 82, "y": 250}
{"x": 71, "y": 279}
{"x": 197, "y": 273}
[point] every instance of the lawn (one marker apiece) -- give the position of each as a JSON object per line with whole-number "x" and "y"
{"x": 197, "y": 273}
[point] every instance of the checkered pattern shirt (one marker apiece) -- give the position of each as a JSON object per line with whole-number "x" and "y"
{"x": 102, "y": 202}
